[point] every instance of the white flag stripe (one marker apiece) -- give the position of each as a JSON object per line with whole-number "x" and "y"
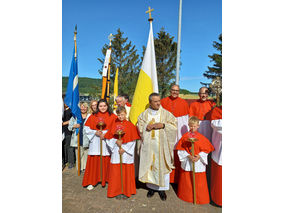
{"x": 75, "y": 82}
{"x": 106, "y": 62}
{"x": 149, "y": 61}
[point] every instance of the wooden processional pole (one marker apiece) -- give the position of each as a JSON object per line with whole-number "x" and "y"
{"x": 78, "y": 139}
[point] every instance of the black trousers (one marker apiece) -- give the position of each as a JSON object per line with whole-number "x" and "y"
{"x": 68, "y": 152}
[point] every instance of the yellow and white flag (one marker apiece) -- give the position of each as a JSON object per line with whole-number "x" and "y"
{"x": 115, "y": 89}
{"x": 147, "y": 81}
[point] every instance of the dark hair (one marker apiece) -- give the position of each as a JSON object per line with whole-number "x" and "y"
{"x": 109, "y": 110}
{"x": 125, "y": 96}
{"x": 120, "y": 109}
{"x": 153, "y": 94}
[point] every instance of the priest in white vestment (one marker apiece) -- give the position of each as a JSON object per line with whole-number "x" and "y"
{"x": 158, "y": 129}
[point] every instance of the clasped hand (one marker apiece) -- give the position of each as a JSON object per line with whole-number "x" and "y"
{"x": 194, "y": 158}
{"x": 154, "y": 126}
{"x": 76, "y": 126}
{"x": 100, "y": 134}
{"x": 121, "y": 151}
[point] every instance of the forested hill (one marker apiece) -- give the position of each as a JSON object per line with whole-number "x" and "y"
{"x": 86, "y": 85}
{"x": 93, "y": 86}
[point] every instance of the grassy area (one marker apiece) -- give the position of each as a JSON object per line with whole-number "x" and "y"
{"x": 193, "y": 96}
{"x": 189, "y": 96}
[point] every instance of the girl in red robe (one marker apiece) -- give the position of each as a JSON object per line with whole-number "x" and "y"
{"x": 101, "y": 119}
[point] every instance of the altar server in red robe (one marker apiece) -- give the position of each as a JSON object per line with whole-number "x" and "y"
{"x": 180, "y": 109}
{"x": 201, "y": 149}
{"x": 124, "y": 146}
{"x": 199, "y": 109}
{"x": 105, "y": 118}
{"x": 215, "y": 116}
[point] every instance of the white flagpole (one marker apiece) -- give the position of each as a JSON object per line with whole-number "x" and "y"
{"x": 178, "y": 46}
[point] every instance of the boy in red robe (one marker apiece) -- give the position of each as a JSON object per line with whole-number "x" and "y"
{"x": 215, "y": 116}
{"x": 201, "y": 149}
{"x": 125, "y": 147}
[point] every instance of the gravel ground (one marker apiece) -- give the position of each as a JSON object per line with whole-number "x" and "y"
{"x": 76, "y": 199}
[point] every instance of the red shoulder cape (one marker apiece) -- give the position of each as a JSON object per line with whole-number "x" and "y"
{"x": 94, "y": 119}
{"x": 131, "y": 131}
{"x": 128, "y": 104}
{"x": 214, "y": 114}
{"x": 200, "y": 108}
{"x": 177, "y": 106}
{"x": 201, "y": 145}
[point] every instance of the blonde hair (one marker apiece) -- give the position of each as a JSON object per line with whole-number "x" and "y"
{"x": 193, "y": 120}
{"x": 90, "y": 108}
{"x": 120, "y": 109}
{"x": 85, "y": 104}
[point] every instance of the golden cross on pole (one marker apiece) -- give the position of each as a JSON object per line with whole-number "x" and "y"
{"x": 110, "y": 37}
{"x": 149, "y": 11}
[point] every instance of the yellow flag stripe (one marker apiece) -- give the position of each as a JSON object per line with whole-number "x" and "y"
{"x": 115, "y": 86}
{"x": 140, "y": 101}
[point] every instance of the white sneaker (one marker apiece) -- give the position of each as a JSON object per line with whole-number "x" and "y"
{"x": 90, "y": 187}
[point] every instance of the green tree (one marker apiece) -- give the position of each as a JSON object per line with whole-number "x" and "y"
{"x": 166, "y": 56}
{"x": 124, "y": 57}
{"x": 216, "y": 69}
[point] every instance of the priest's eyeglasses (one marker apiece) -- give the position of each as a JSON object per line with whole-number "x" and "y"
{"x": 175, "y": 90}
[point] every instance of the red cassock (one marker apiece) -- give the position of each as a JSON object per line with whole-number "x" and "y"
{"x": 214, "y": 114}
{"x": 200, "y": 108}
{"x": 92, "y": 174}
{"x": 180, "y": 109}
{"x": 185, "y": 184}
{"x": 216, "y": 168}
{"x": 128, "y": 172}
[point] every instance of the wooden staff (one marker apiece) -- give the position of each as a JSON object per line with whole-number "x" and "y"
{"x": 78, "y": 155}
{"x": 120, "y": 156}
{"x": 101, "y": 157}
{"x": 192, "y": 140}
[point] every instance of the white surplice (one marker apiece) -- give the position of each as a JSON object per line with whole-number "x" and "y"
{"x": 127, "y": 156}
{"x": 217, "y": 141}
{"x": 94, "y": 146}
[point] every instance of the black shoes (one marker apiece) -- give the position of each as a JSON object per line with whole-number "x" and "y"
{"x": 121, "y": 196}
{"x": 150, "y": 193}
{"x": 163, "y": 195}
{"x": 118, "y": 197}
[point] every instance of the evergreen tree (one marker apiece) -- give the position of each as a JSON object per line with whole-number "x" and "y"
{"x": 124, "y": 57}
{"x": 166, "y": 56}
{"x": 216, "y": 70}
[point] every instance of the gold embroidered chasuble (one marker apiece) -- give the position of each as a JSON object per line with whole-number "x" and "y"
{"x": 156, "y": 147}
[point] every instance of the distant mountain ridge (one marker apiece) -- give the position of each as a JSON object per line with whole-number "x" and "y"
{"x": 93, "y": 86}
{"x": 86, "y": 85}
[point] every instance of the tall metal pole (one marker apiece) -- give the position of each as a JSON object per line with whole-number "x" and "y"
{"x": 178, "y": 46}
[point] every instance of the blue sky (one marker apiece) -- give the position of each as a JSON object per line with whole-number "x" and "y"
{"x": 201, "y": 25}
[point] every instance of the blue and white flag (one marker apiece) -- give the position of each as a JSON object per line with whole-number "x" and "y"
{"x": 72, "y": 92}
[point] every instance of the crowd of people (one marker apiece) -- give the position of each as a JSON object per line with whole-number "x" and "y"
{"x": 172, "y": 142}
